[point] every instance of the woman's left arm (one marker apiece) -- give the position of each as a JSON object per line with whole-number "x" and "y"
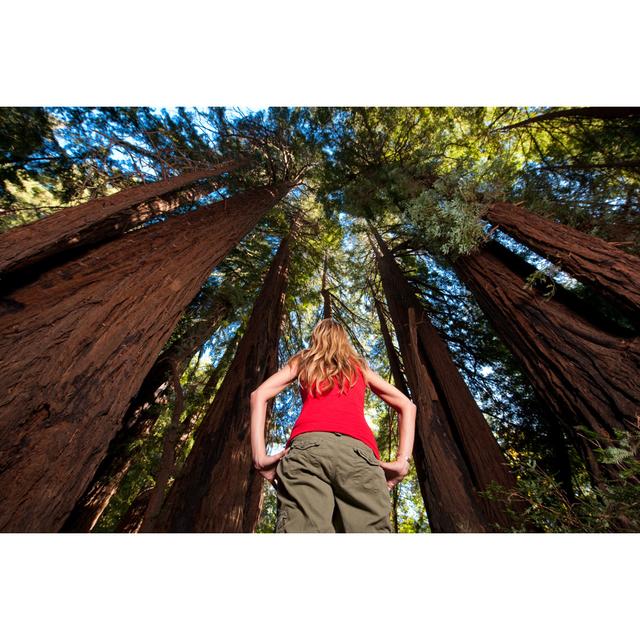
{"x": 271, "y": 387}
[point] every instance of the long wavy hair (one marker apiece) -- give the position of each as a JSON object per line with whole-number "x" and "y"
{"x": 330, "y": 358}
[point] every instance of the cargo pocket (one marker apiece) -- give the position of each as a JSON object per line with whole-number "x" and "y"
{"x": 368, "y": 455}
{"x": 301, "y": 446}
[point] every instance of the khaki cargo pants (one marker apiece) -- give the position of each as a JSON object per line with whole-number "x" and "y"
{"x": 329, "y": 482}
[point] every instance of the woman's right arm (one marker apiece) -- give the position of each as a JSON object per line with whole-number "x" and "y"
{"x": 402, "y": 404}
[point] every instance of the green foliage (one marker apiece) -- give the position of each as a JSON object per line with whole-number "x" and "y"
{"x": 446, "y": 227}
{"x": 613, "y": 507}
{"x": 447, "y": 217}
{"x": 267, "y": 521}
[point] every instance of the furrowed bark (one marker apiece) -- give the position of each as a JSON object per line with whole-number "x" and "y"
{"x": 399, "y": 379}
{"x": 101, "y": 218}
{"x": 609, "y": 271}
{"x": 78, "y": 342}
{"x": 218, "y": 489}
{"x": 461, "y": 453}
{"x": 582, "y": 374}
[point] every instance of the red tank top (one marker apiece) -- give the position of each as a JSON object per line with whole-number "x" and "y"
{"x": 332, "y": 411}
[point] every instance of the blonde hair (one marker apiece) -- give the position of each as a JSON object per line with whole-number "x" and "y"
{"x": 329, "y": 356}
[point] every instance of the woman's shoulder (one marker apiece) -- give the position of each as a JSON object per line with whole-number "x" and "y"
{"x": 365, "y": 370}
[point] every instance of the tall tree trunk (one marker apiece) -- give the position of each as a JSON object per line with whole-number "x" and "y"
{"x": 78, "y": 342}
{"x": 156, "y": 382}
{"x": 101, "y": 218}
{"x": 419, "y": 456}
{"x": 461, "y": 453}
{"x": 611, "y": 272}
{"x": 168, "y": 457}
{"x": 121, "y": 454}
{"x": 582, "y": 374}
{"x": 218, "y": 489}
{"x": 123, "y": 450}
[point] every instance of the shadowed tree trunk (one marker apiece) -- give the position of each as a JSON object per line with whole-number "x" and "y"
{"x": 113, "y": 469}
{"x": 582, "y": 374}
{"x": 156, "y": 383}
{"x": 218, "y": 488}
{"x": 560, "y": 463}
{"x": 123, "y": 450}
{"x": 101, "y": 218}
{"x": 399, "y": 380}
{"x": 609, "y": 271}
{"x": 461, "y": 454}
{"x": 78, "y": 342}
{"x": 168, "y": 457}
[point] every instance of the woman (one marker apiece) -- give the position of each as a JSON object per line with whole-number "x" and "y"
{"x": 329, "y": 477}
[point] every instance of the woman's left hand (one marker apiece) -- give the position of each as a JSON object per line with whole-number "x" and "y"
{"x": 394, "y": 471}
{"x": 268, "y": 465}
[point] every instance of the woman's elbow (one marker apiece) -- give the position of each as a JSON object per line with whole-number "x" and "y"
{"x": 409, "y": 407}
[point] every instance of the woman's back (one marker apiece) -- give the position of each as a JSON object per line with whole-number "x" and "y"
{"x": 335, "y": 411}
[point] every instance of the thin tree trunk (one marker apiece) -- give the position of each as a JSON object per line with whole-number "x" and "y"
{"x": 218, "y": 489}
{"x": 399, "y": 380}
{"x": 561, "y": 463}
{"x": 78, "y": 342}
{"x": 461, "y": 453}
{"x": 611, "y": 272}
{"x": 168, "y": 458}
{"x": 101, "y": 218}
{"x": 582, "y": 374}
{"x": 326, "y": 295}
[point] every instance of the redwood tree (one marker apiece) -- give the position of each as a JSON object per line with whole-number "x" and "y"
{"x": 78, "y": 341}
{"x": 399, "y": 380}
{"x": 582, "y": 373}
{"x": 611, "y": 272}
{"x": 141, "y": 416}
{"x": 218, "y": 489}
{"x": 101, "y": 218}
{"x": 461, "y": 453}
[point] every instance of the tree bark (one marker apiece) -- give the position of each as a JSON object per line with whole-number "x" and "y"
{"x": 124, "y": 448}
{"x": 156, "y": 382}
{"x": 582, "y": 374}
{"x": 168, "y": 458}
{"x": 461, "y": 454}
{"x": 419, "y": 455}
{"x": 100, "y": 219}
{"x": 609, "y": 271}
{"x": 110, "y": 473}
{"x": 78, "y": 342}
{"x": 218, "y": 489}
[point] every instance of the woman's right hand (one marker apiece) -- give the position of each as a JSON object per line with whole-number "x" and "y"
{"x": 267, "y": 465}
{"x": 395, "y": 472}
